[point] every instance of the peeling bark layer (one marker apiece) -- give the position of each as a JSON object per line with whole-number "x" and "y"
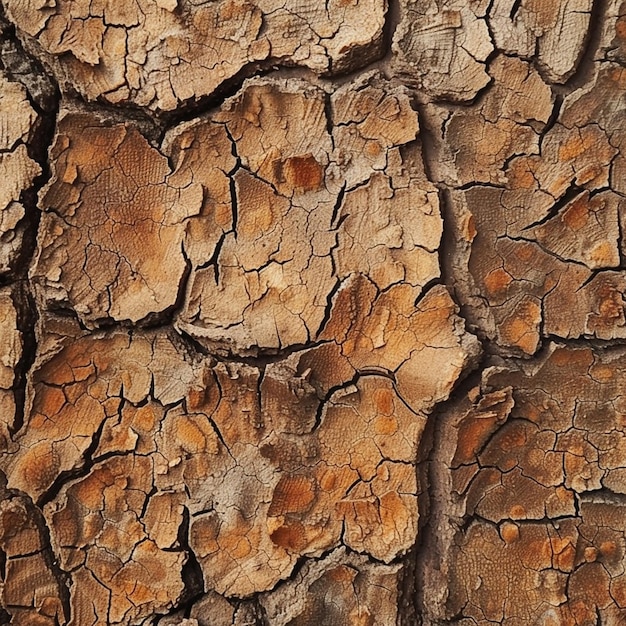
{"x": 312, "y": 314}
{"x": 18, "y": 169}
{"x": 542, "y": 490}
{"x": 160, "y": 54}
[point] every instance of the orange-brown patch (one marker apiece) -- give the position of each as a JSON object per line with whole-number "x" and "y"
{"x": 383, "y": 399}
{"x": 571, "y": 148}
{"x": 509, "y": 532}
{"x": 293, "y": 494}
{"x": 303, "y": 173}
{"x": 385, "y": 425}
{"x": 576, "y": 215}
{"x": 497, "y": 281}
{"x": 342, "y": 574}
{"x": 290, "y": 536}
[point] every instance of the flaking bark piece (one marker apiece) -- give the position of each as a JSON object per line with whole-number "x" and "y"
{"x": 10, "y": 355}
{"x": 545, "y": 234}
{"x": 442, "y": 46}
{"x": 338, "y": 589}
{"x": 479, "y": 423}
{"x": 562, "y": 439}
{"x": 162, "y": 54}
{"x": 505, "y": 122}
{"x": 424, "y": 345}
{"x": 554, "y": 34}
{"x": 569, "y": 571}
{"x": 111, "y": 242}
{"x": 111, "y": 234}
{"x": 513, "y": 574}
{"x": 30, "y": 585}
{"x": 313, "y": 209}
{"x": 18, "y": 170}
{"x": 586, "y": 231}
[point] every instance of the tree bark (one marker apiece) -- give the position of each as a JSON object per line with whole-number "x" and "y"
{"x": 312, "y": 314}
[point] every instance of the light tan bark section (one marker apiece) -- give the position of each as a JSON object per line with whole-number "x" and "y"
{"x": 255, "y": 201}
{"x": 544, "y": 206}
{"x": 156, "y": 435}
{"x": 10, "y": 355}
{"x": 552, "y": 33}
{"x": 18, "y": 170}
{"x": 162, "y": 53}
{"x": 114, "y": 222}
{"x": 443, "y": 47}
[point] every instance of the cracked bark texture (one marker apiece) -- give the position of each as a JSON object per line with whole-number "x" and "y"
{"x": 312, "y": 313}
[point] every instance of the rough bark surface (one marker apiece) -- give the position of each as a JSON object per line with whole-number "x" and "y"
{"x": 312, "y": 314}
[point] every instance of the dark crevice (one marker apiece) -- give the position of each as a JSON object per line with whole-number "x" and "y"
{"x": 452, "y": 249}
{"x": 191, "y": 573}
{"x": 514, "y": 9}
{"x": 429, "y": 140}
{"x": 426, "y": 585}
{"x": 592, "y": 275}
{"x": 483, "y": 184}
{"x": 26, "y": 320}
{"x": 555, "y": 114}
{"x": 572, "y": 193}
{"x": 167, "y": 316}
{"x": 335, "y": 220}
{"x": 621, "y": 248}
{"x": 234, "y": 203}
{"x": 392, "y": 21}
{"x": 585, "y": 65}
{"x": 319, "y": 414}
{"x": 41, "y": 88}
{"x": 146, "y": 502}
{"x": 603, "y": 496}
{"x": 193, "y": 343}
{"x": 275, "y": 68}
{"x": 153, "y": 129}
{"x": 436, "y": 501}
{"x": 212, "y": 261}
{"x": 60, "y": 576}
{"x": 328, "y": 110}
{"x": 264, "y": 356}
{"x": 198, "y": 107}
{"x": 299, "y": 566}
{"x": 330, "y": 300}
{"x": 43, "y": 94}
{"x": 83, "y": 470}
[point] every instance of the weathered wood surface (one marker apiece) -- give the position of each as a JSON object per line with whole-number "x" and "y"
{"x": 312, "y": 313}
